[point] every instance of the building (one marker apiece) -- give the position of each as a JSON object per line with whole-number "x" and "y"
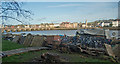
{"x": 75, "y": 25}
{"x": 12, "y": 27}
{"x": 65, "y": 25}
{"x": 33, "y": 26}
{"x": 115, "y": 23}
{"x": 89, "y": 25}
{"x": 83, "y": 25}
{"x": 105, "y": 24}
{"x": 69, "y": 25}
{"x": 27, "y": 26}
{"x": 18, "y": 26}
{"x": 51, "y": 25}
{"x": 56, "y": 25}
{"x": 42, "y": 25}
{"x": 6, "y": 27}
{"x": 37, "y": 26}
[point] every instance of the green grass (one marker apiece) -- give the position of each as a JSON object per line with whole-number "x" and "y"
{"x": 8, "y": 45}
{"x": 77, "y": 58}
{"x": 80, "y": 58}
{"x": 27, "y": 57}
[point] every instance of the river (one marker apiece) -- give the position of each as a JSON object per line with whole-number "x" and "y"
{"x": 49, "y": 32}
{"x": 56, "y": 32}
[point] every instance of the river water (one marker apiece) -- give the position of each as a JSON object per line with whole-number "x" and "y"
{"x": 56, "y": 32}
{"x": 50, "y": 32}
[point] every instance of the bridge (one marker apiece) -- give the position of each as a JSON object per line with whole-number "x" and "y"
{"x": 23, "y": 29}
{"x": 40, "y": 29}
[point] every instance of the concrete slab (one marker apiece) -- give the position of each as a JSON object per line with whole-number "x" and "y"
{"x": 28, "y": 40}
{"x": 16, "y": 39}
{"x": 37, "y": 41}
{"x": 109, "y": 50}
{"x": 22, "y": 50}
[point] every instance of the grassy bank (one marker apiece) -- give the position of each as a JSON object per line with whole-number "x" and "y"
{"x": 29, "y": 56}
{"x": 8, "y": 45}
{"x": 25, "y": 57}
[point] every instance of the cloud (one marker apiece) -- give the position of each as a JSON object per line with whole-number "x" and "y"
{"x": 66, "y": 5}
{"x": 41, "y": 19}
{"x": 86, "y": 5}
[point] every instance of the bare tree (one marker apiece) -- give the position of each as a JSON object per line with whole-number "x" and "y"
{"x": 13, "y": 10}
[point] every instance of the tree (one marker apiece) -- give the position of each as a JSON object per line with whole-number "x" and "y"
{"x": 13, "y": 10}
{"x": 95, "y": 23}
{"x": 111, "y": 24}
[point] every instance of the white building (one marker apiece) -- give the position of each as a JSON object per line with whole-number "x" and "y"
{"x": 115, "y": 23}
{"x": 105, "y": 24}
{"x": 27, "y": 26}
{"x": 56, "y": 25}
{"x": 40, "y": 26}
{"x": 18, "y": 26}
{"x": 83, "y": 25}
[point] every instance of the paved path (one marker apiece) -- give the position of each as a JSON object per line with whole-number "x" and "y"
{"x": 22, "y": 50}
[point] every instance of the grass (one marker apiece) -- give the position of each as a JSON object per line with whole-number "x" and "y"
{"x": 25, "y": 57}
{"x": 28, "y": 56}
{"x": 8, "y": 45}
{"x": 76, "y": 57}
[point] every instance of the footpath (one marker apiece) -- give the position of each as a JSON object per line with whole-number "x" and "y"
{"x": 21, "y": 50}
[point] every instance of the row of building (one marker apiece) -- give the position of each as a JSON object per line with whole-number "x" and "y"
{"x": 46, "y": 25}
{"x": 114, "y": 23}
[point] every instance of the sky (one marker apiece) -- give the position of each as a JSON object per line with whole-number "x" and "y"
{"x": 65, "y": 0}
{"x": 57, "y": 12}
